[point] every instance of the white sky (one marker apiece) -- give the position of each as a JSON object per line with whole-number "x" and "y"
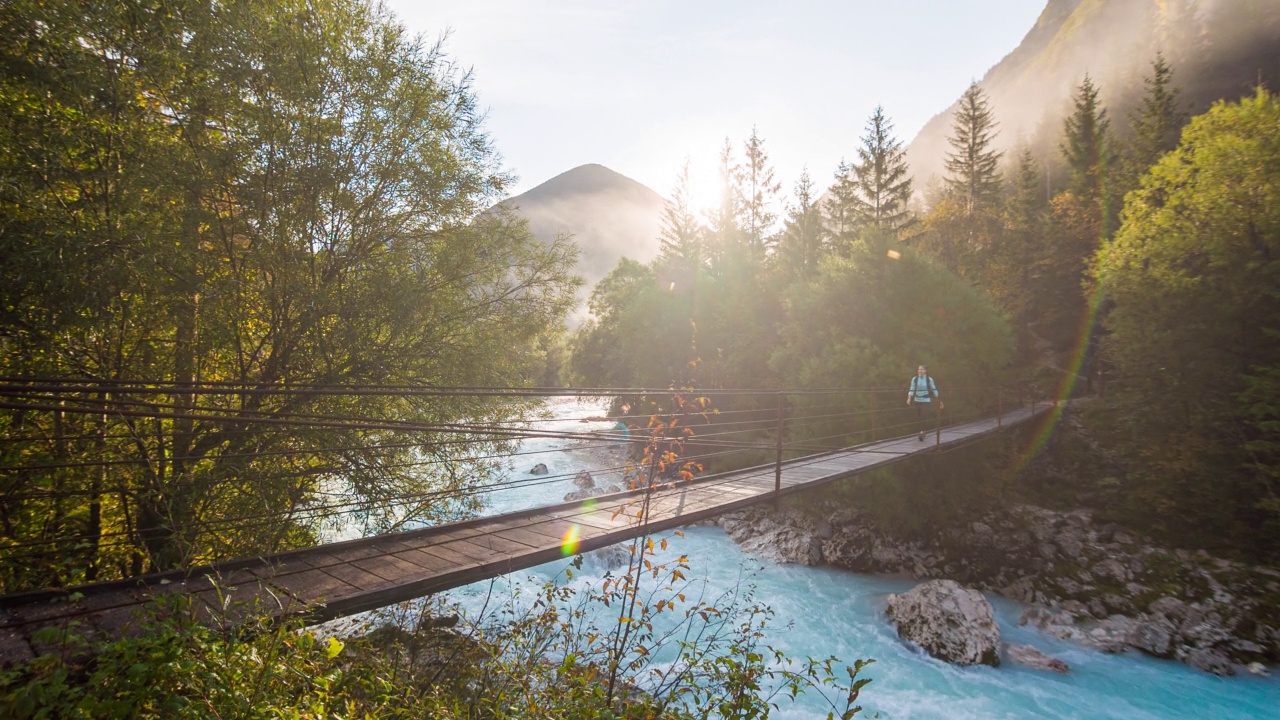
{"x": 638, "y": 86}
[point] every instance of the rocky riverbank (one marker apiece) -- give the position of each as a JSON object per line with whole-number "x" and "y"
{"x": 1099, "y": 585}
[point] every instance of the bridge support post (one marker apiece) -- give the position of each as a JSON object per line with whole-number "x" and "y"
{"x": 873, "y": 416}
{"x": 937, "y": 437}
{"x": 777, "y": 463}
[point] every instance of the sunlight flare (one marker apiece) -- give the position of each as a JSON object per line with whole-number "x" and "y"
{"x": 569, "y": 545}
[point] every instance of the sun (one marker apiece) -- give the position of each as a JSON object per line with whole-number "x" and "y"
{"x": 706, "y": 187}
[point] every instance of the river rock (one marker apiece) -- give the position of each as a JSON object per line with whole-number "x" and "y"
{"x": 850, "y": 551}
{"x": 1223, "y": 617}
{"x": 1210, "y": 660}
{"x": 1071, "y": 546}
{"x": 1023, "y": 590}
{"x": 1033, "y": 658}
{"x": 782, "y": 537}
{"x": 584, "y": 480}
{"x": 1056, "y": 622}
{"x": 1257, "y": 668}
{"x": 950, "y": 622}
{"x": 1109, "y": 634}
{"x": 612, "y": 556}
{"x": 584, "y": 493}
{"x": 539, "y": 469}
{"x": 1153, "y": 635}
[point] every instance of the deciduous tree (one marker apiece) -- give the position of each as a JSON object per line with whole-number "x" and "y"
{"x": 248, "y": 194}
{"x": 1195, "y": 325}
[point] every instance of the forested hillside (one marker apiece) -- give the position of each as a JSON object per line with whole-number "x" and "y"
{"x": 1220, "y": 51}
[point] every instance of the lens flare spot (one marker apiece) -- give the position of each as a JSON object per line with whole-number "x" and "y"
{"x": 569, "y": 545}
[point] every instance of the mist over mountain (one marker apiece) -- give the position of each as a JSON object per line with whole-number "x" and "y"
{"x": 1219, "y": 49}
{"x": 608, "y": 214}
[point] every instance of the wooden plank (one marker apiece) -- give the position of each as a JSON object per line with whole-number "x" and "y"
{"x": 131, "y": 620}
{"x": 357, "y": 578}
{"x": 717, "y": 495}
{"x": 525, "y": 536}
{"x": 388, "y": 567}
{"x": 221, "y": 611}
{"x": 603, "y": 520}
{"x": 816, "y": 472}
{"x": 499, "y": 545}
{"x": 447, "y": 553}
{"x": 404, "y": 552}
{"x": 240, "y": 576}
{"x": 692, "y": 506}
{"x": 468, "y": 533}
{"x": 727, "y": 491}
{"x": 47, "y": 611}
{"x": 310, "y": 586}
{"x": 553, "y": 529}
{"x": 465, "y": 548}
{"x": 348, "y": 554}
{"x": 431, "y": 564}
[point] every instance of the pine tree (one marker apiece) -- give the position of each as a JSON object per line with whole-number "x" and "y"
{"x": 1086, "y": 146}
{"x": 840, "y": 209}
{"x": 724, "y": 229}
{"x": 803, "y": 241}
{"x": 973, "y": 165}
{"x": 883, "y": 187}
{"x": 758, "y": 190}
{"x": 1026, "y": 205}
{"x": 1158, "y": 120}
{"x": 681, "y": 236}
{"x": 1025, "y": 215}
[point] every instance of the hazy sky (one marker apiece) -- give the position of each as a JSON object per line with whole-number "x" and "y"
{"x": 638, "y": 86}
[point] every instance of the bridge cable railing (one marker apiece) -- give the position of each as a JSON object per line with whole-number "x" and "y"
{"x": 82, "y": 463}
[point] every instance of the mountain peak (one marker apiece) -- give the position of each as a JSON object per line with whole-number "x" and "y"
{"x": 586, "y": 179}
{"x": 608, "y": 214}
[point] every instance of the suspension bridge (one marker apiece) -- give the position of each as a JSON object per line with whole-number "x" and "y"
{"x": 337, "y": 579}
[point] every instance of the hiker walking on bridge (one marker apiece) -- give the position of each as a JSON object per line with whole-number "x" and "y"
{"x": 921, "y": 392}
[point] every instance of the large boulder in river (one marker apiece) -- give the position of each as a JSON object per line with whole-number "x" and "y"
{"x": 584, "y": 480}
{"x": 539, "y": 469}
{"x": 950, "y": 622}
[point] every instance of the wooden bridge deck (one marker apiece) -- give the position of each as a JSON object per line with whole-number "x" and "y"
{"x": 344, "y": 578}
